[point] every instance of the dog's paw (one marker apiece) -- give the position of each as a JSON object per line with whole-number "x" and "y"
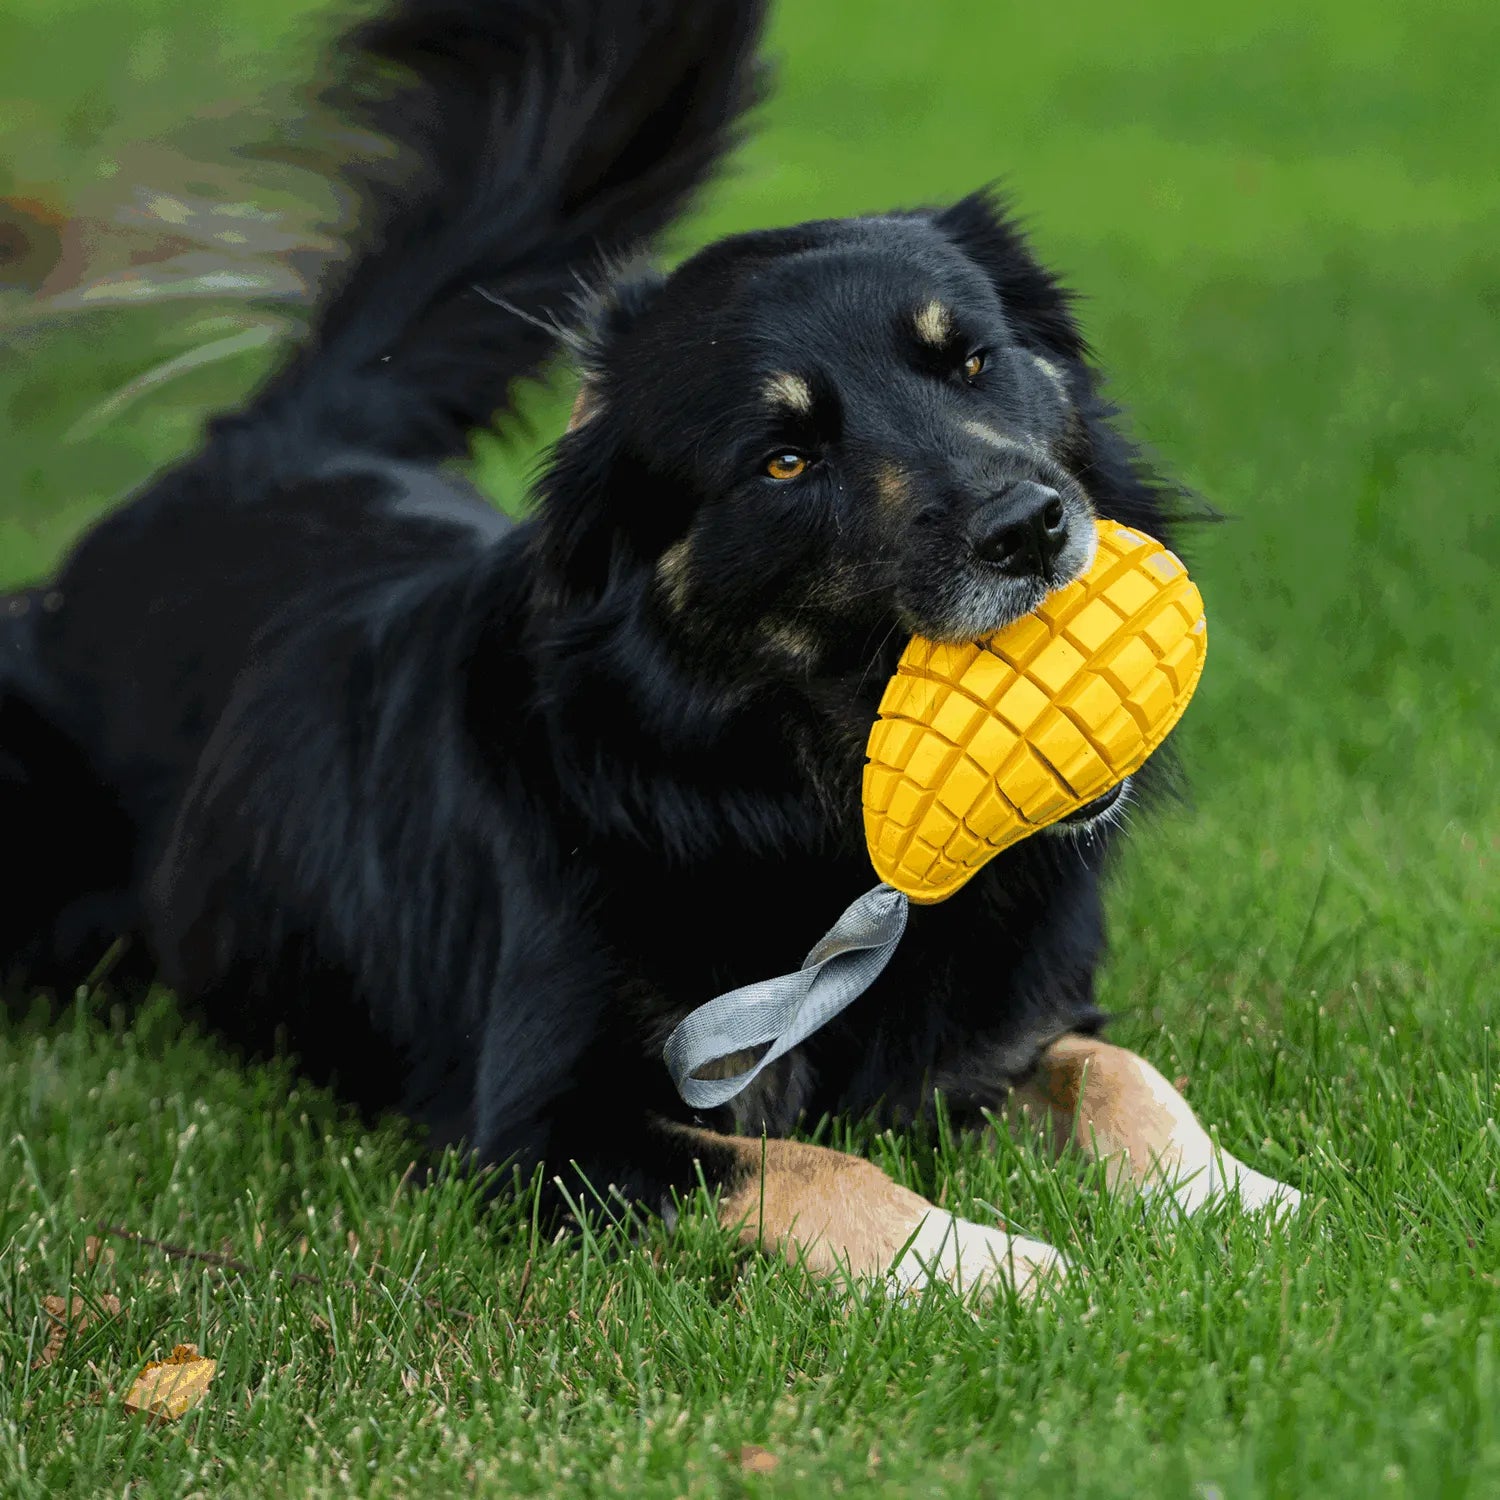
{"x": 1222, "y": 1179}
{"x": 1257, "y": 1192}
{"x": 973, "y": 1259}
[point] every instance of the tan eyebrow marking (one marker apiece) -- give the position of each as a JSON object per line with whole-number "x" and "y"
{"x": 891, "y": 488}
{"x": 790, "y": 391}
{"x": 672, "y": 573}
{"x": 934, "y": 324}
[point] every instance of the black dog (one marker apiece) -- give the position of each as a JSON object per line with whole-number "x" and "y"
{"x": 471, "y": 814}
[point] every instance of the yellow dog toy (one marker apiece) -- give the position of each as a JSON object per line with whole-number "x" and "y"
{"x": 979, "y": 745}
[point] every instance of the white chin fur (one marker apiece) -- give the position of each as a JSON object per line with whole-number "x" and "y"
{"x": 972, "y": 1258}
{"x": 1114, "y": 816}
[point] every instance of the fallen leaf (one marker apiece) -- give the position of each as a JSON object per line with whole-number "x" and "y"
{"x": 96, "y": 1252}
{"x": 168, "y": 1389}
{"x": 72, "y": 1318}
{"x": 757, "y": 1460}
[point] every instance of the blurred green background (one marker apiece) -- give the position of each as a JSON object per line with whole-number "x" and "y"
{"x": 1284, "y": 219}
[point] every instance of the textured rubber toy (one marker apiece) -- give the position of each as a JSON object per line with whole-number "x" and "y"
{"x": 979, "y": 745}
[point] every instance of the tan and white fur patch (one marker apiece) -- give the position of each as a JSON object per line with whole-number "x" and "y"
{"x": 892, "y": 488}
{"x": 585, "y": 405}
{"x": 672, "y": 573}
{"x": 841, "y": 1216}
{"x": 790, "y": 392}
{"x": 792, "y": 642}
{"x": 934, "y": 324}
{"x": 1053, "y": 373}
{"x": 1118, "y": 1109}
{"x": 988, "y": 434}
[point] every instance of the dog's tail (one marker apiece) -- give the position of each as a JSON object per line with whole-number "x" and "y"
{"x": 539, "y": 140}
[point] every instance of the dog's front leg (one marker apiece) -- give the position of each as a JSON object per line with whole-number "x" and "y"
{"x": 1118, "y": 1109}
{"x": 842, "y": 1216}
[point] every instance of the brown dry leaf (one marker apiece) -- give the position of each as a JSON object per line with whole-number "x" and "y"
{"x": 96, "y": 1252}
{"x": 757, "y": 1460}
{"x": 72, "y": 1318}
{"x": 168, "y": 1389}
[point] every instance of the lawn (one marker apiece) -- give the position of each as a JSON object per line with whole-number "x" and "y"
{"x": 1284, "y": 220}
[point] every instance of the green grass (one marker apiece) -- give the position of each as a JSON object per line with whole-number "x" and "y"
{"x": 1283, "y": 217}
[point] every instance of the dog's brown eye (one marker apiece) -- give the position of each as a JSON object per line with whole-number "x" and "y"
{"x": 973, "y": 365}
{"x": 785, "y": 465}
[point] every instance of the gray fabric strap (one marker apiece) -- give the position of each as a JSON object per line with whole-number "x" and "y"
{"x": 788, "y": 1009}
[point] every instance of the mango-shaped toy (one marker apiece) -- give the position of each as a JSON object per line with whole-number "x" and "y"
{"x": 979, "y": 745}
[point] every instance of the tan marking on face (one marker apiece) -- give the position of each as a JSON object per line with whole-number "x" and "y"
{"x": 891, "y": 487}
{"x": 792, "y": 641}
{"x": 997, "y": 439}
{"x": 1053, "y": 373}
{"x": 934, "y": 324}
{"x": 586, "y": 405}
{"x": 842, "y": 1216}
{"x": 790, "y": 392}
{"x": 672, "y": 574}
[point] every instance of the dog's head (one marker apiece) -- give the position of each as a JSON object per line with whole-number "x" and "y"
{"x": 817, "y": 439}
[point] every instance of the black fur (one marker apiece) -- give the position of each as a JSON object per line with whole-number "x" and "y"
{"x": 472, "y": 813}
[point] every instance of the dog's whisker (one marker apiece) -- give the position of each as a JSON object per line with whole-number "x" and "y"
{"x": 874, "y": 659}
{"x": 570, "y": 338}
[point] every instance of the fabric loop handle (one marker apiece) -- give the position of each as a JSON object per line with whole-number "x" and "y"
{"x": 788, "y": 1009}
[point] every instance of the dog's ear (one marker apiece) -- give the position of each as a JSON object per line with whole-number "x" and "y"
{"x": 594, "y": 516}
{"x": 603, "y": 517}
{"x": 1039, "y": 309}
{"x": 606, "y": 318}
{"x": 609, "y": 316}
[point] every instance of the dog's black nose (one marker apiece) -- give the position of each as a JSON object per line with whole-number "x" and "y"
{"x": 1021, "y": 529}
